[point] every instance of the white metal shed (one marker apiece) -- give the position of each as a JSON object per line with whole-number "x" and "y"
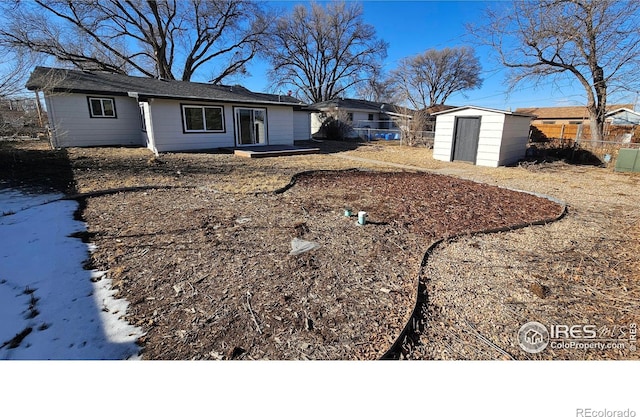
{"x": 486, "y": 137}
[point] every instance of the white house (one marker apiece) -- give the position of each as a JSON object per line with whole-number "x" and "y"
{"x": 361, "y": 114}
{"x": 623, "y": 117}
{"x": 98, "y": 109}
{"x": 482, "y": 136}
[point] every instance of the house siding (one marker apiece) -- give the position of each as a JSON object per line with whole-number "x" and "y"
{"x": 360, "y": 120}
{"x": 301, "y": 125}
{"x": 280, "y": 125}
{"x": 623, "y": 117}
{"x": 71, "y": 124}
{"x": 316, "y": 123}
{"x": 169, "y": 136}
{"x": 168, "y": 133}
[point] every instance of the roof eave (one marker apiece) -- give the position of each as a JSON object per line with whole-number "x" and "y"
{"x": 509, "y": 113}
{"x": 143, "y": 97}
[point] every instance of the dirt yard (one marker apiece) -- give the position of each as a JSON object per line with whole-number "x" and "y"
{"x": 200, "y": 243}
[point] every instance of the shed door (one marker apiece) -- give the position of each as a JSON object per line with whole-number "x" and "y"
{"x": 465, "y": 139}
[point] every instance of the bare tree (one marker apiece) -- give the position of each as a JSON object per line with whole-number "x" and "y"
{"x": 596, "y": 42}
{"x": 171, "y": 39}
{"x": 14, "y": 70}
{"x": 322, "y": 52}
{"x": 377, "y": 88}
{"x": 415, "y": 126}
{"x": 430, "y": 78}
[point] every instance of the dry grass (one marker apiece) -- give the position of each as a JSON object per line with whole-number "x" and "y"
{"x": 588, "y": 263}
{"x": 214, "y": 171}
{"x": 481, "y": 288}
{"x": 394, "y": 152}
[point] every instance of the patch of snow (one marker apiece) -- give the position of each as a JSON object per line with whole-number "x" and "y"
{"x": 43, "y": 287}
{"x": 12, "y": 201}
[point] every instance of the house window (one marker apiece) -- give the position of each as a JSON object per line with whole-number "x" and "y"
{"x": 350, "y": 117}
{"x": 370, "y": 117}
{"x": 574, "y": 122}
{"x": 102, "y": 107}
{"x": 548, "y": 122}
{"x": 202, "y": 118}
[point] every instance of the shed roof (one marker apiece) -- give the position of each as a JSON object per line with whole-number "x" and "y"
{"x": 76, "y": 81}
{"x": 566, "y": 112}
{"x": 510, "y": 113}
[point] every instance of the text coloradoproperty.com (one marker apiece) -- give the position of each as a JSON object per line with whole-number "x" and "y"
{"x": 572, "y": 344}
{"x": 590, "y": 412}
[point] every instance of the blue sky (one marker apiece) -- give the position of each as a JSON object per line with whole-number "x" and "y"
{"x": 411, "y": 27}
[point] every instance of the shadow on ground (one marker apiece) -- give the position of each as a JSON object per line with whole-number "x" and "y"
{"x": 542, "y": 152}
{"x": 27, "y": 164}
{"x": 332, "y": 146}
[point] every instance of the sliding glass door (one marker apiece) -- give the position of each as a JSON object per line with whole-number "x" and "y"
{"x": 251, "y": 126}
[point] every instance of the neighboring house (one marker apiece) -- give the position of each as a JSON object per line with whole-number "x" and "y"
{"x": 574, "y": 115}
{"x": 621, "y": 125}
{"x": 103, "y": 109}
{"x": 482, "y": 136}
{"x": 429, "y": 115}
{"x": 623, "y": 117}
{"x": 361, "y": 114}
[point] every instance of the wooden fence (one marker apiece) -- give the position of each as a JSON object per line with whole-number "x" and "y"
{"x": 572, "y": 132}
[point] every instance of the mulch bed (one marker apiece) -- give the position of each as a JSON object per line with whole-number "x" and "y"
{"x": 202, "y": 251}
{"x": 209, "y": 275}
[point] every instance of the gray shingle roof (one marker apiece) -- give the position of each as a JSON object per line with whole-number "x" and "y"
{"x": 356, "y": 104}
{"x": 75, "y": 81}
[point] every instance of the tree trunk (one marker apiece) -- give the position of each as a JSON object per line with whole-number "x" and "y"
{"x": 597, "y": 113}
{"x": 595, "y": 125}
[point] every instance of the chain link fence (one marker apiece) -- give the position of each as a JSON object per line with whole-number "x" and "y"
{"x": 421, "y": 138}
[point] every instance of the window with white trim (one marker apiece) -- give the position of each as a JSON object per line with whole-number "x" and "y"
{"x": 202, "y": 118}
{"x": 102, "y": 107}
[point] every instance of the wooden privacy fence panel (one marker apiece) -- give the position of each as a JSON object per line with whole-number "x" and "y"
{"x": 612, "y": 133}
{"x": 562, "y": 131}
